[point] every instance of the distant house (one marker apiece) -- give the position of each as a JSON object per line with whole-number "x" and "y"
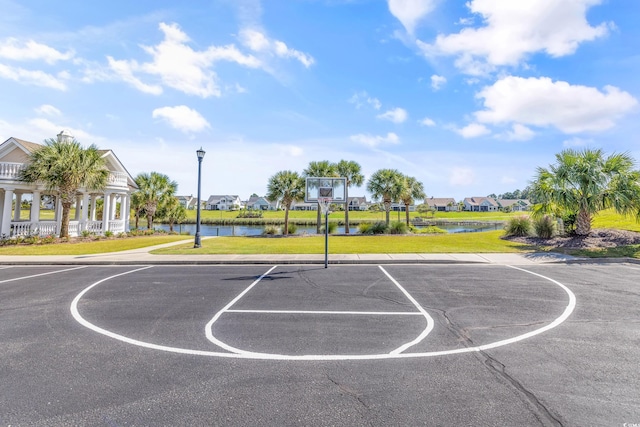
{"x": 224, "y": 203}
{"x": 442, "y": 204}
{"x": 258, "y": 203}
{"x": 189, "y": 202}
{"x": 304, "y": 206}
{"x": 480, "y": 204}
{"x": 401, "y": 207}
{"x": 516, "y": 205}
{"x": 358, "y": 204}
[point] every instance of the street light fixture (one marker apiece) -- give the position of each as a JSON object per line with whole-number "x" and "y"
{"x": 200, "y": 154}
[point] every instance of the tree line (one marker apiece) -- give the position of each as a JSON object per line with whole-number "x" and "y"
{"x": 388, "y": 185}
{"x": 576, "y": 187}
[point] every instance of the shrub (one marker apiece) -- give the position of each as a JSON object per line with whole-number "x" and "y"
{"x": 545, "y": 226}
{"x": 379, "y": 227}
{"x": 431, "y": 229}
{"x": 271, "y": 230}
{"x": 364, "y": 228}
{"x": 292, "y": 228}
{"x": 332, "y": 228}
{"x": 85, "y": 233}
{"x": 569, "y": 221}
{"x": 398, "y": 227}
{"x": 519, "y": 226}
{"x": 108, "y": 233}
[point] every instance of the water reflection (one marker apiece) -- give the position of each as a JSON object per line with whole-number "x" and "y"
{"x": 256, "y": 230}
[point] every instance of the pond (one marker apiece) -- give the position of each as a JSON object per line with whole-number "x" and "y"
{"x": 256, "y": 230}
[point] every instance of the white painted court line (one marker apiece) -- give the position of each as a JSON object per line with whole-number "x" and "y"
{"x": 42, "y": 274}
{"x": 371, "y": 313}
{"x": 430, "y": 322}
{"x": 208, "y": 329}
{"x": 332, "y": 357}
{"x": 226, "y": 309}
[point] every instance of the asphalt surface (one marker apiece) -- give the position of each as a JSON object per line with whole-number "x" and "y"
{"x": 302, "y": 345}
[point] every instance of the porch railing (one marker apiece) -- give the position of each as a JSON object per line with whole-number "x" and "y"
{"x": 76, "y": 228}
{"x": 9, "y": 170}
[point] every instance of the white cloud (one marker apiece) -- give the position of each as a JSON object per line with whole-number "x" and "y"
{"x": 125, "y": 70}
{"x": 437, "y": 81}
{"x": 410, "y": 12}
{"x": 258, "y": 42}
{"x": 519, "y": 132}
{"x": 375, "y": 141}
{"x": 397, "y": 115}
{"x": 182, "y": 118}
{"x": 13, "y": 49}
{"x": 35, "y": 78}
{"x": 48, "y": 110}
{"x": 460, "y": 176}
{"x": 513, "y": 30}
{"x": 427, "y": 122}
{"x": 360, "y": 98}
{"x": 180, "y": 67}
{"x": 290, "y": 150}
{"x": 473, "y": 130}
{"x": 543, "y": 102}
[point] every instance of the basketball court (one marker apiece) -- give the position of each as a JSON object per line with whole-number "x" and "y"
{"x": 552, "y": 344}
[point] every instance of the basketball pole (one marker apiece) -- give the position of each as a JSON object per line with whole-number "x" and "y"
{"x": 326, "y": 238}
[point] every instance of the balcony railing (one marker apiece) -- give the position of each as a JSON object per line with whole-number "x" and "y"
{"x": 10, "y": 170}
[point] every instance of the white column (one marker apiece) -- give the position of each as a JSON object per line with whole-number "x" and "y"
{"x": 106, "y": 210}
{"x": 94, "y": 200}
{"x": 34, "y": 216}
{"x": 16, "y": 212}
{"x": 85, "y": 212}
{"x": 58, "y": 214}
{"x": 78, "y": 207}
{"x": 126, "y": 216}
{"x": 112, "y": 215}
{"x": 6, "y": 212}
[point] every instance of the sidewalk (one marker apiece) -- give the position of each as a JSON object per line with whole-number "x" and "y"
{"x": 142, "y": 256}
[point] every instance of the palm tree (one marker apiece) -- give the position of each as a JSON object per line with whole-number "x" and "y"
{"x": 323, "y": 168}
{"x": 411, "y": 189}
{"x": 64, "y": 166}
{"x": 585, "y": 182}
{"x": 154, "y": 189}
{"x": 137, "y": 206}
{"x": 288, "y": 187}
{"x": 386, "y": 184}
{"x": 173, "y": 212}
{"x": 352, "y": 172}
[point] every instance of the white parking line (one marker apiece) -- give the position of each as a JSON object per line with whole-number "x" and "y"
{"x": 42, "y": 274}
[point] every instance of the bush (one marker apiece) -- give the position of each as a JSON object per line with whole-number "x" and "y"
{"x": 569, "y": 222}
{"x": 108, "y": 233}
{"x": 431, "y": 229}
{"x": 364, "y": 228}
{"x": 292, "y": 228}
{"x": 379, "y": 227}
{"x": 332, "y": 228}
{"x": 519, "y": 226}
{"x": 545, "y": 226}
{"x": 398, "y": 227}
{"x": 270, "y": 230}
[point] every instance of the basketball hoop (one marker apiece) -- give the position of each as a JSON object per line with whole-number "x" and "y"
{"x": 324, "y": 203}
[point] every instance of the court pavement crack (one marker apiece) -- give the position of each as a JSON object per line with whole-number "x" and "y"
{"x": 538, "y": 408}
{"x": 355, "y": 395}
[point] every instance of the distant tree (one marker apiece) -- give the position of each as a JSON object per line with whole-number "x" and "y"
{"x": 323, "y": 168}
{"x": 412, "y": 189}
{"x": 154, "y": 189}
{"x": 586, "y": 182}
{"x": 286, "y": 186}
{"x": 353, "y": 173}
{"x": 137, "y": 206}
{"x": 386, "y": 184}
{"x": 65, "y": 167}
{"x": 172, "y": 211}
{"x": 493, "y": 196}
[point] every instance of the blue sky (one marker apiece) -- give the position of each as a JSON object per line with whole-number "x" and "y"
{"x": 468, "y": 97}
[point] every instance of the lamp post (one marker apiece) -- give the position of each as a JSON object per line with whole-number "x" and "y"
{"x": 200, "y": 154}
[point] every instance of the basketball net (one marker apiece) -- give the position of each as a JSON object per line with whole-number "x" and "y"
{"x": 324, "y": 203}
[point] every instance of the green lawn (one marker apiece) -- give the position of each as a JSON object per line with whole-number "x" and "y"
{"x": 442, "y": 243}
{"x": 94, "y": 247}
{"x": 610, "y": 219}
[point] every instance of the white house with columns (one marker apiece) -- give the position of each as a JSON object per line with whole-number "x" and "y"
{"x": 116, "y": 196}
